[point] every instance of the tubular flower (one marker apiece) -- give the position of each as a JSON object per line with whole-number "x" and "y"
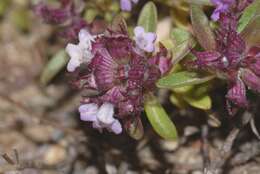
{"x": 100, "y": 117}
{"x": 232, "y": 61}
{"x": 80, "y": 53}
{"x": 144, "y": 41}
{"x": 120, "y": 75}
{"x": 126, "y": 5}
{"x": 228, "y": 6}
{"x": 222, "y": 6}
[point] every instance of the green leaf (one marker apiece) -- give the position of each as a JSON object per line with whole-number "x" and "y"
{"x": 201, "y": 28}
{"x": 194, "y": 95}
{"x": 251, "y": 32}
{"x": 167, "y": 43}
{"x": 178, "y": 101}
{"x": 4, "y": 6}
{"x": 183, "y": 42}
{"x": 159, "y": 119}
{"x": 180, "y": 35}
{"x": 54, "y": 66}
{"x": 182, "y": 78}
{"x": 249, "y": 13}
{"x": 183, "y": 89}
{"x": 21, "y": 18}
{"x": 148, "y": 17}
{"x": 202, "y": 102}
{"x": 199, "y": 2}
{"x": 90, "y": 14}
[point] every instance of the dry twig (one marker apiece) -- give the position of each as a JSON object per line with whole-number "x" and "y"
{"x": 224, "y": 151}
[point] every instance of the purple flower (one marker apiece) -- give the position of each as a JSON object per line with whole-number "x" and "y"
{"x": 120, "y": 75}
{"x": 53, "y": 15}
{"x": 101, "y": 117}
{"x": 161, "y": 60}
{"x": 80, "y": 53}
{"x": 222, "y": 6}
{"x": 126, "y": 5}
{"x": 144, "y": 40}
{"x": 231, "y": 61}
{"x": 226, "y": 57}
{"x": 67, "y": 16}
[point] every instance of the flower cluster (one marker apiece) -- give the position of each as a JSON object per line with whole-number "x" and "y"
{"x": 222, "y": 6}
{"x": 227, "y": 6}
{"x": 67, "y": 16}
{"x": 120, "y": 70}
{"x": 233, "y": 61}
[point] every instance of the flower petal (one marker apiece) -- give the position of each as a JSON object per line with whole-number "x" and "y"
{"x": 105, "y": 114}
{"x": 116, "y": 127}
{"x": 221, "y": 7}
{"x": 73, "y": 64}
{"x": 149, "y": 48}
{"x": 138, "y": 31}
{"x": 88, "y": 112}
{"x": 85, "y": 39}
{"x": 145, "y": 41}
{"x": 74, "y": 51}
{"x": 150, "y": 37}
{"x": 125, "y": 5}
{"x": 215, "y": 15}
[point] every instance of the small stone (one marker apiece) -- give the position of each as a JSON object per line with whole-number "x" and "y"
{"x": 91, "y": 170}
{"x": 190, "y": 130}
{"x": 111, "y": 169}
{"x": 54, "y": 155}
{"x": 148, "y": 159}
{"x": 169, "y": 145}
{"x": 39, "y": 133}
{"x": 197, "y": 172}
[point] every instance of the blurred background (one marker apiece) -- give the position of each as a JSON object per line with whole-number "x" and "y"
{"x": 40, "y": 130}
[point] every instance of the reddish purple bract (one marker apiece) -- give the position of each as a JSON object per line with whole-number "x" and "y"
{"x": 120, "y": 74}
{"x": 232, "y": 61}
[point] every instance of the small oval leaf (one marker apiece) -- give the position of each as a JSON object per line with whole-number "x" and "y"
{"x": 249, "y": 13}
{"x": 203, "y": 102}
{"x": 148, "y": 17}
{"x": 251, "y": 32}
{"x": 54, "y": 66}
{"x": 159, "y": 119}
{"x": 182, "y": 78}
{"x": 183, "y": 89}
{"x": 201, "y": 28}
{"x": 90, "y": 14}
{"x": 183, "y": 42}
{"x": 178, "y": 101}
{"x": 200, "y": 2}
